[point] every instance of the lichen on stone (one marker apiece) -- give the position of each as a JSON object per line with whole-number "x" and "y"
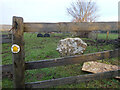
{"x": 71, "y": 46}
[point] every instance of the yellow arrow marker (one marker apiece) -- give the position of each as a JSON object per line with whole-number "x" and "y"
{"x": 15, "y": 48}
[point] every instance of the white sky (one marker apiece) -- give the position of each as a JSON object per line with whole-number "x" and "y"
{"x": 51, "y": 10}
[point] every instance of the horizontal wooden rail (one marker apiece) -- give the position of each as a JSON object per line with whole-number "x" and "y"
{"x": 71, "y": 60}
{"x": 5, "y": 38}
{"x": 6, "y": 41}
{"x": 64, "y": 61}
{"x": 72, "y": 79}
{"x": 7, "y": 70}
{"x": 70, "y": 26}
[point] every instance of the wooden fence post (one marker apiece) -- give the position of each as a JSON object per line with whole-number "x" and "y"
{"x": 18, "y": 58}
{"x": 107, "y": 35}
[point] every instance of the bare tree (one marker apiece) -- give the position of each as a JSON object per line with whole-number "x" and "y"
{"x": 82, "y": 11}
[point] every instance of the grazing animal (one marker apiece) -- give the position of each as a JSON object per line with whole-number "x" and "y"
{"x": 46, "y": 35}
{"x": 39, "y": 35}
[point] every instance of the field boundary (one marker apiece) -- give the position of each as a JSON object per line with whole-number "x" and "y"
{"x": 6, "y": 38}
{"x": 72, "y": 79}
{"x": 19, "y": 65}
{"x": 64, "y": 60}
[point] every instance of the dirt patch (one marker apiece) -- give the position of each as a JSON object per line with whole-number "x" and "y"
{"x": 115, "y": 42}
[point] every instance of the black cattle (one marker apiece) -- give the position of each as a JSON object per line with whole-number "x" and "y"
{"x": 39, "y": 35}
{"x": 46, "y": 35}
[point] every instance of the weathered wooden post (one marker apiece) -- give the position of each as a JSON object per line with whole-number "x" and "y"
{"x": 18, "y": 57}
{"x": 107, "y": 35}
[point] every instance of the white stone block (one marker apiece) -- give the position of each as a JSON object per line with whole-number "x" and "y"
{"x": 71, "y": 46}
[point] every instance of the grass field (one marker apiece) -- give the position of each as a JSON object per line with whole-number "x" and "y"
{"x": 110, "y": 36}
{"x": 45, "y": 48}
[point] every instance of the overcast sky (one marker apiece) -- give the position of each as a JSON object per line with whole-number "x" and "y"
{"x": 51, "y": 10}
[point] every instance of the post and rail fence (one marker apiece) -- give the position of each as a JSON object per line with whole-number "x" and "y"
{"x": 18, "y": 67}
{"x": 5, "y": 38}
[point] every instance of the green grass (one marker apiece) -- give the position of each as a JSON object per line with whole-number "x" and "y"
{"x": 110, "y": 36}
{"x": 45, "y": 48}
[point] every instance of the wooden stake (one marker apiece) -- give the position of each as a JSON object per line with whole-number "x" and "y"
{"x": 107, "y": 35}
{"x": 18, "y": 58}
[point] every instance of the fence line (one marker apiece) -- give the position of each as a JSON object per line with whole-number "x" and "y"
{"x": 64, "y": 60}
{"x": 6, "y": 38}
{"x": 71, "y": 60}
{"x": 70, "y": 26}
{"x": 72, "y": 79}
{"x": 19, "y": 66}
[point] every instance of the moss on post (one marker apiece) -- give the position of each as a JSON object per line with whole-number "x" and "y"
{"x": 18, "y": 58}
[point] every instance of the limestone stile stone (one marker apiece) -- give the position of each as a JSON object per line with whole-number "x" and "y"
{"x": 71, "y": 46}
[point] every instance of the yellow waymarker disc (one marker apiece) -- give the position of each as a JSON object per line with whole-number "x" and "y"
{"x": 15, "y": 48}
